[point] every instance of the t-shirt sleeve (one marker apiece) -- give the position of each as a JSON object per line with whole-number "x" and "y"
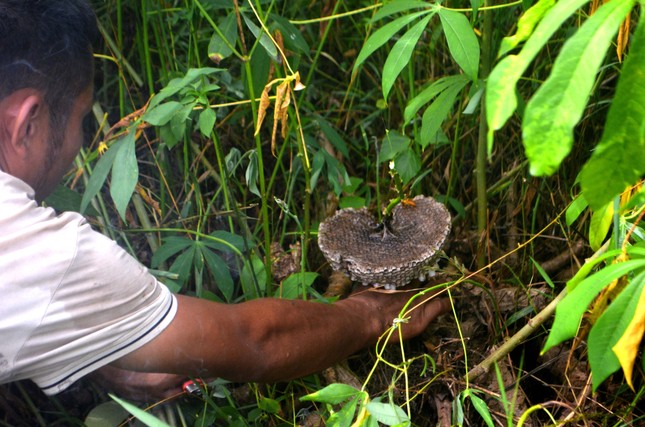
{"x": 106, "y": 305}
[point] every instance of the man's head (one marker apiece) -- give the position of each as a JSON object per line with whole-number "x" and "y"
{"x": 46, "y": 56}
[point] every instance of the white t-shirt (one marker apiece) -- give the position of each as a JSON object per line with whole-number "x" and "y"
{"x": 71, "y": 300}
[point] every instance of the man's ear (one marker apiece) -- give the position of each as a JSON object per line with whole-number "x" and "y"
{"x": 27, "y": 120}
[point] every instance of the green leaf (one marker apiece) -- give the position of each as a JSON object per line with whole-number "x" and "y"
{"x": 293, "y": 38}
{"x": 253, "y": 278}
{"x": 206, "y": 121}
{"x": 569, "y": 311}
{"x": 270, "y": 406}
{"x": 525, "y": 25}
{"x": 264, "y": 39}
{"x": 333, "y": 136}
{"x": 479, "y": 405}
{"x": 125, "y": 172}
{"x": 251, "y": 174}
{"x": 171, "y": 246}
{"x": 617, "y": 162}
{"x": 609, "y": 328}
{"x": 175, "y": 85}
{"x": 100, "y": 173}
{"x": 388, "y": 413}
{"x": 400, "y": 54}
{"x": 501, "y": 100}
{"x": 577, "y": 206}
{"x": 601, "y": 221}
{"x": 65, "y": 199}
{"x": 143, "y": 416}
{"x": 393, "y": 144}
{"x": 333, "y": 394}
{"x": 220, "y": 272}
{"x": 430, "y": 92}
{"x": 437, "y": 112}
{"x": 383, "y": 35}
{"x": 218, "y": 49}
{"x": 462, "y": 41}
{"x": 556, "y": 107}
{"x": 408, "y": 165}
{"x": 296, "y": 284}
{"x": 162, "y": 113}
{"x": 393, "y": 7}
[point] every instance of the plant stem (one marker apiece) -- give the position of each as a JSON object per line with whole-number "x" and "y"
{"x": 482, "y": 200}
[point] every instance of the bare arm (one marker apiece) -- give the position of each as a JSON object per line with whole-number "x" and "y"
{"x": 273, "y": 339}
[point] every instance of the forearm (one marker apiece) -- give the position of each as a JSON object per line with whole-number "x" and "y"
{"x": 289, "y": 339}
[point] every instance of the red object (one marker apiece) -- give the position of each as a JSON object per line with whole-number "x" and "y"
{"x": 193, "y": 387}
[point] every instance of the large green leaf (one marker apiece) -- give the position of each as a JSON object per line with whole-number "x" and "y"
{"x": 610, "y": 328}
{"x": 218, "y": 48}
{"x": 619, "y": 159}
{"x": 100, "y": 173}
{"x": 264, "y": 39}
{"x": 462, "y": 41}
{"x": 125, "y": 172}
{"x": 501, "y": 100}
{"x": 525, "y": 25}
{"x": 423, "y": 97}
{"x": 401, "y": 53}
{"x": 383, "y": 35}
{"x": 437, "y": 112}
{"x": 556, "y": 107}
{"x": 570, "y": 310}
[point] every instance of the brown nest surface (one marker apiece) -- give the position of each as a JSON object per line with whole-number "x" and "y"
{"x": 388, "y": 254}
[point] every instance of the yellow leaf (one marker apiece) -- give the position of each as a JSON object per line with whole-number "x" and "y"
{"x": 280, "y": 92}
{"x": 626, "y": 349}
{"x": 262, "y": 109}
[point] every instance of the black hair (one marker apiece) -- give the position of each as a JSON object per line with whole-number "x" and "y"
{"x": 47, "y": 45}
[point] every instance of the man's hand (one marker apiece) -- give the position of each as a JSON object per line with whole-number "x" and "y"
{"x": 139, "y": 386}
{"x": 385, "y": 306}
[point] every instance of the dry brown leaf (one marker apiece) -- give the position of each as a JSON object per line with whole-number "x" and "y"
{"x": 264, "y": 104}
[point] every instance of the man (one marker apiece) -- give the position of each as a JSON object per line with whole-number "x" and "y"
{"x": 75, "y": 302}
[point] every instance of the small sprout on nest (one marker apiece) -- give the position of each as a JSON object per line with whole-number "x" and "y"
{"x": 391, "y": 253}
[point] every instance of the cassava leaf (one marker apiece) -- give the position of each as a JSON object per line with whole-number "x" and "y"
{"x": 609, "y": 327}
{"x": 619, "y": 159}
{"x": 501, "y": 100}
{"x": 554, "y": 110}
{"x": 400, "y": 54}
{"x": 383, "y": 35}
{"x": 437, "y": 112}
{"x": 627, "y": 347}
{"x": 525, "y": 25}
{"x": 125, "y": 172}
{"x": 462, "y": 41}
{"x": 601, "y": 221}
{"x": 423, "y": 97}
{"x": 569, "y": 311}
{"x": 577, "y": 206}
{"x": 399, "y": 6}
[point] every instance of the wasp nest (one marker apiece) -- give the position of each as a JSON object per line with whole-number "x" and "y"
{"x": 390, "y": 254}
